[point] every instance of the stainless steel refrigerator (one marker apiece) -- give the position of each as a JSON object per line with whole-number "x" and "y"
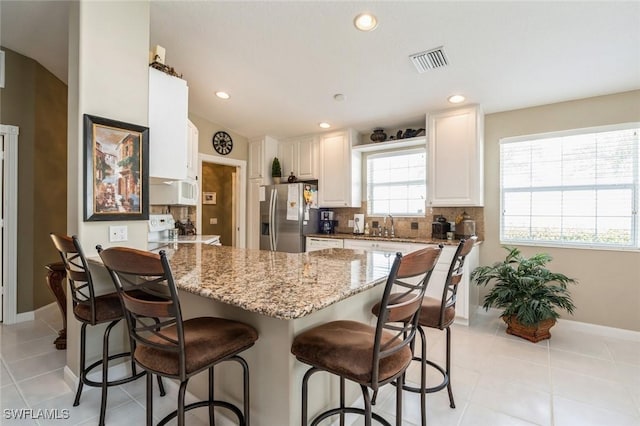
{"x": 287, "y": 213}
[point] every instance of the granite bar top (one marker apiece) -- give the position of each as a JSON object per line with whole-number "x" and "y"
{"x": 279, "y": 285}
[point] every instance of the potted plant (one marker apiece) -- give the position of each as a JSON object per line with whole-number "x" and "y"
{"x": 528, "y": 293}
{"x": 276, "y": 172}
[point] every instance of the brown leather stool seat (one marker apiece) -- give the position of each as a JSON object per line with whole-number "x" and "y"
{"x": 167, "y": 345}
{"x": 206, "y": 340}
{"x": 370, "y": 356}
{"x": 90, "y": 309}
{"x": 345, "y": 348}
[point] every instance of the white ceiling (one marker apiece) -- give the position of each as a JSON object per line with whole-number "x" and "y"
{"x": 282, "y": 62}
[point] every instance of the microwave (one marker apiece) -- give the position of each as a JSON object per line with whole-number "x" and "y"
{"x": 175, "y": 193}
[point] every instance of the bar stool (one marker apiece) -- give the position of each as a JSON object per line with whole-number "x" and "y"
{"x": 167, "y": 345}
{"x": 92, "y": 310}
{"x": 370, "y": 356}
{"x": 440, "y": 313}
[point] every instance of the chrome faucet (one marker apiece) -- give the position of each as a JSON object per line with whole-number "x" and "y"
{"x": 386, "y": 232}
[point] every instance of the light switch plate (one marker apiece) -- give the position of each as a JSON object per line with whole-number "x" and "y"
{"x": 118, "y": 234}
{"x": 213, "y": 221}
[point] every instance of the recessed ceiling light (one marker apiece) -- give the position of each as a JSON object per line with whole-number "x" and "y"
{"x": 365, "y": 22}
{"x": 223, "y": 95}
{"x": 456, "y": 99}
{"x": 324, "y": 125}
{"x": 339, "y": 97}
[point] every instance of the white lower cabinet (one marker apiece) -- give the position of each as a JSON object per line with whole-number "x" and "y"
{"x": 467, "y": 303}
{"x": 317, "y": 243}
{"x": 403, "y": 248}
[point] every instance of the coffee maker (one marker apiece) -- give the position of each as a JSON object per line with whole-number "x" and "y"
{"x": 327, "y": 224}
{"x": 440, "y": 227}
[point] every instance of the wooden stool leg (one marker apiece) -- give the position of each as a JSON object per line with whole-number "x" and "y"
{"x": 55, "y": 277}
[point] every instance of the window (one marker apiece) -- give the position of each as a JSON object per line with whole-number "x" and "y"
{"x": 577, "y": 188}
{"x": 396, "y": 183}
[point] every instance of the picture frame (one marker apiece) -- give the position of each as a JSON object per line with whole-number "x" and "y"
{"x": 209, "y": 198}
{"x": 116, "y": 170}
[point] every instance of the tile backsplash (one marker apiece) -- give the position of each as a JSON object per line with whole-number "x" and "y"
{"x": 403, "y": 226}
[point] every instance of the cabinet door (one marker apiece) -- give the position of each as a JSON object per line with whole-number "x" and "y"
{"x": 339, "y": 180}
{"x": 315, "y": 243}
{"x": 192, "y": 151}
{"x": 288, "y": 156}
{"x": 168, "y": 109}
{"x": 255, "y": 160}
{"x": 261, "y": 153}
{"x": 307, "y": 148}
{"x": 455, "y": 163}
{"x": 403, "y": 248}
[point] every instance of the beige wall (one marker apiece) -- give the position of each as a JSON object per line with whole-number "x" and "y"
{"x": 108, "y": 77}
{"x": 608, "y": 292}
{"x": 36, "y": 101}
{"x": 206, "y": 130}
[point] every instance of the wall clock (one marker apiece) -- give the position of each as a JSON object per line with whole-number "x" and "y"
{"x": 222, "y": 143}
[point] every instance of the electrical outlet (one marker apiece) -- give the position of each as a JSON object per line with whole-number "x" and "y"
{"x": 213, "y": 221}
{"x": 118, "y": 233}
{"x": 414, "y": 225}
{"x": 350, "y": 223}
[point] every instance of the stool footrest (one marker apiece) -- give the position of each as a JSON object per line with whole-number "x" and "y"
{"x": 347, "y": 410}
{"x": 199, "y": 404}
{"x": 117, "y": 382}
{"x": 432, "y": 389}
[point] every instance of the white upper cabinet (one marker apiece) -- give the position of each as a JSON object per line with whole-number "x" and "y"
{"x": 455, "y": 160}
{"x": 261, "y": 153}
{"x": 299, "y": 156}
{"x": 192, "y": 150}
{"x": 339, "y": 180}
{"x": 168, "y": 132}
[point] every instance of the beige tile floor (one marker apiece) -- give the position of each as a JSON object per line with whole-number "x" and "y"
{"x": 575, "y": 379}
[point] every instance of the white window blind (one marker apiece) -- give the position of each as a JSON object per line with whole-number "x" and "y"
{"x": 576, "y": 188}
{"x": 396, "y": 183}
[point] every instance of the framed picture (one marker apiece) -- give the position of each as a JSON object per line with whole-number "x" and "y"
{"x": 208, "y": 198}
{"x": 116, "y": 170}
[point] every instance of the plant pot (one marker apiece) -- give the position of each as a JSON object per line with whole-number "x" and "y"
{"x": 277, "y": 179}
{"x": 533, "y": 333}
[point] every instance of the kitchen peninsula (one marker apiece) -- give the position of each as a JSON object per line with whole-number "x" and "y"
{"x": 280, "y": 294}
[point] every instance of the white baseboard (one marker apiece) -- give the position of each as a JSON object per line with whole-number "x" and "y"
{"x": 585, "y": 327}
{"x": 601, "y": 330}
{"x": 25, "y": 316}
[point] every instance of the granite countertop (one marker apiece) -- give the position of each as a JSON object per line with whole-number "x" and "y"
{"x": 416, "y": 240}
{"x": 279, "y": 285}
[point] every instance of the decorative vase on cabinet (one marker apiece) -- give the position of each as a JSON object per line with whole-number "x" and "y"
{"x": 378, "y": 135}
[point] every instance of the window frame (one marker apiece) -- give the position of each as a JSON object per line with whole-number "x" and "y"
{"x": 634, "y": 186}
{"x": 388, "y": 153}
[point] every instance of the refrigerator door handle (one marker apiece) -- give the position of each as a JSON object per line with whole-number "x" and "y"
{"x": 272, "y": 219}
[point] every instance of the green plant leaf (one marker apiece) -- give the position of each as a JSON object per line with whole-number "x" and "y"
{"x": 525, "y": 287}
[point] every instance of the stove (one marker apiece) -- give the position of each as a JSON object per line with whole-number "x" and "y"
{"x": 160, "y": 226}
{"x": 162, "y": 229}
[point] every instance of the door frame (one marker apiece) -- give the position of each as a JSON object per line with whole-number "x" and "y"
{"x": 10, "y": 225}
{"x": 241, "y": 196}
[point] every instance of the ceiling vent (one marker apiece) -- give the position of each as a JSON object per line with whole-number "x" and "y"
{"x": 429, "y": 59}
